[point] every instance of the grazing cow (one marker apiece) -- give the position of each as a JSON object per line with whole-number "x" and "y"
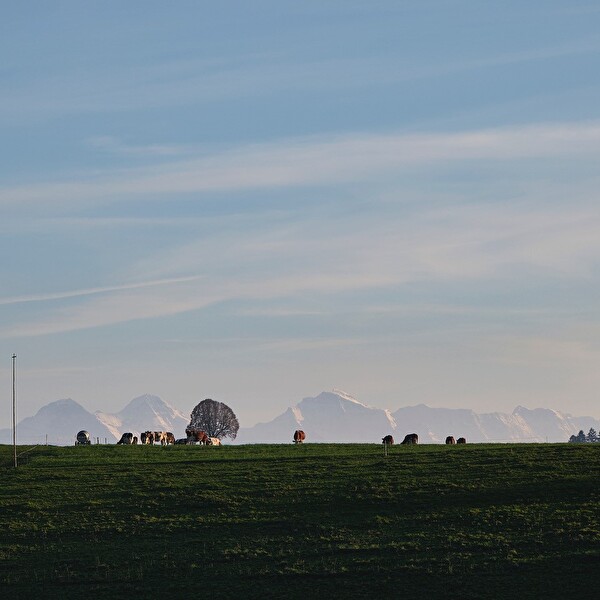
{"x": 170, "y": 438}
{"x": 126, "y": 438}
{"x": 196, "y": 436}
{"x": 410, "y": 438}
{"x": 388, "y": 439}
{"x": 147, "y": 437}
{"x": 213, "y": 441}
{"x": 461, "y": 441}
{"x": 135, "y": 440}
{"x": 83, "y": 438}
{"x": 160, "y": 436}
{"x": 181, "y": 441}
{"x": 299, "y": 436}
{"x": 450, "y": 440}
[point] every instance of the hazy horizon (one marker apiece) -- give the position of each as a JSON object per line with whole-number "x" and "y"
{"x": 258, "y": 202}
{"x": 279, "y": 410}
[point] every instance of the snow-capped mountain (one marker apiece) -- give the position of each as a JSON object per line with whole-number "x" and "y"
{"x": 61, "y": 420}
{"x": 329, "y": 417}
{"x": 145, "y": 413}
{"x": 58, "y": 424}
{"x": 337, "y": 417}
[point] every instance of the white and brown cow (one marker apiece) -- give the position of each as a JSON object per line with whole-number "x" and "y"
{"x": 196, "y": 436}
{"x": 160, "y": 436}
{"x": 147, "y": 437}
{"x": 213, "y": 441}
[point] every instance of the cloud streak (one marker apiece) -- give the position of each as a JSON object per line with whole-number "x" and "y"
{"x": 91, "y": 291}
{"x": 315, "y": 162}
{"x": 436, "y": 247}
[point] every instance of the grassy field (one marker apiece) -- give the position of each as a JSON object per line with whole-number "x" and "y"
{"x": 269, "y": 521}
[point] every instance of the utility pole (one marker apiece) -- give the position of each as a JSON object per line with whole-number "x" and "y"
{"x": 14, "y": 406}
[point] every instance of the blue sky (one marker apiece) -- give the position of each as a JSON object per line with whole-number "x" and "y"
{"x": 256, "y": 202}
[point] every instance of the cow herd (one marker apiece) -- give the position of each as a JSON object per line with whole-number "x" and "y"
{"x": 450, "y": 440}
{"x": 166, "y": 438}
{"x": 413, "y": 438}
{"x": 199, "y": 437}
{"x": 388, "y": 440}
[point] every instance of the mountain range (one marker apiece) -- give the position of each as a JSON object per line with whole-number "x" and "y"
{"x": 329, "y": 417}
{"x": 58, "y": 422}
{"x": 338, "y": 417}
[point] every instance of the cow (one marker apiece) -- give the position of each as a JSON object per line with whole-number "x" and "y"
{"x": 299, "y": 436}
{"x": 126, "y": 438}
{"x": 461, "y": 440}
{"x": 147, "y": 437}
{"x": 388, "y": 439}
{"x": 170, "y": 438}
{"x": 160, "y": 436}
{"x": 450, "y": 440}
{"x": 83, "y": 438}
{"x": 135, "y": 440}
{"x": 196, "y": 436}
{"x": 213, "y": 441}
{"x": 410, "y": 438}
{"x": 181, "y": 441}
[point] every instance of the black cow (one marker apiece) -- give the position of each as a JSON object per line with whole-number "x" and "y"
{"x": 410, "y": 438}
{"x": 388, "y": 439}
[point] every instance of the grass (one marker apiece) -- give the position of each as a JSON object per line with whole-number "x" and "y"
{"x": 477, "y": 521}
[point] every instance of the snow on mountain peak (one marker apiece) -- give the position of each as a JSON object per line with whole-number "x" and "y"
{"x": 346, "y": 396}
{"x": 390, "y": 418}
{"x": 298, "y": 414}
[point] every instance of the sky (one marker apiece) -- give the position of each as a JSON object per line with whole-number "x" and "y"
{"x": 258, "y": 201}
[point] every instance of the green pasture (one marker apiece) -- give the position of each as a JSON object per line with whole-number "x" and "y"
{"x": 307, "y": 521}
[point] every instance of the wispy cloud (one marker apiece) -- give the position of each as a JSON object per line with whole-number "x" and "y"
{"x": 181, "y": 82}
{"x": 113, "y": 145}
{"x": 315, "y": 161}
{"x": 91, "y": 291}
{"x": 466, "y": 244}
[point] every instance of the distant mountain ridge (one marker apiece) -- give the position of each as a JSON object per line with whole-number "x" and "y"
{"x": 338, "y": 417}
{"x": 144, "y": 413}
{"x": 59, "y": 422}
{"x": 329, "y": 417}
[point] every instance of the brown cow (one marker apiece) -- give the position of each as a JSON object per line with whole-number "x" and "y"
{"x": 170, "y": 438}
{"x": 450, "y": 440}
{"x": 196, "y": 436}
{"x": 461, "y": 441}
{"x": 410, "y": 438}
{"x": 299, "y": 436}
{"x": 388, "y": 439}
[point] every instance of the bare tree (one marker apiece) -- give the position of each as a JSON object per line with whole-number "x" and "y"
{"x": 216, "y": 418}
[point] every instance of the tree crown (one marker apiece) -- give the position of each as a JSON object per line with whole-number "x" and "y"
{"x": 216, "y": 418}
